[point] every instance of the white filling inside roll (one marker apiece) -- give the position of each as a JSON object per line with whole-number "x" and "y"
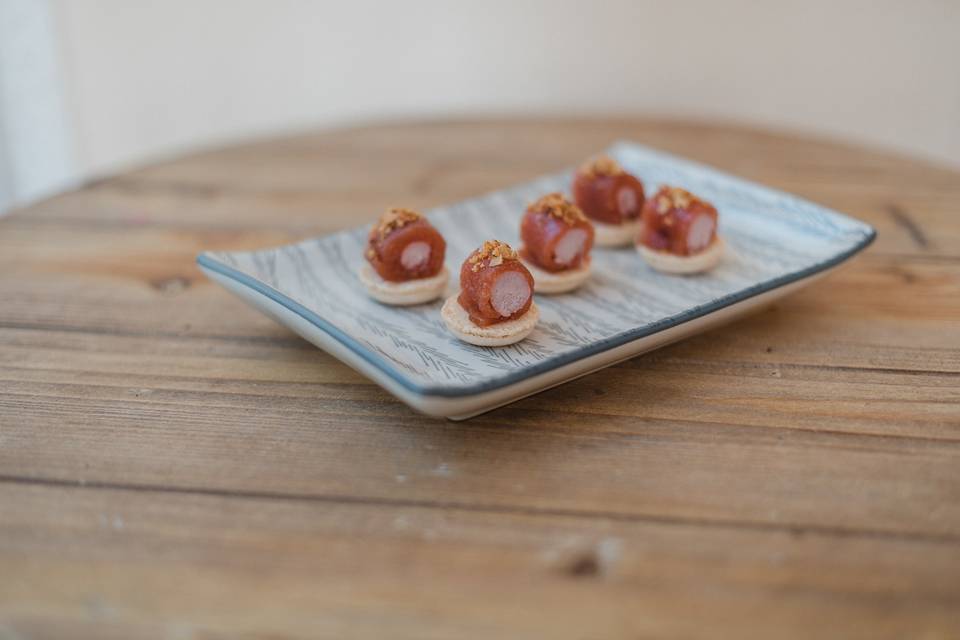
{"x": 570, "y": 246}
{"x": 627, "y": 201}
{"x": 510, "y": 292}
{"x": 700, "y": 234}
{"x": 415, "y": 254}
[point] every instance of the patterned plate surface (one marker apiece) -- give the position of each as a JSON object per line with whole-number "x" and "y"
{"x": 773, "y": 239}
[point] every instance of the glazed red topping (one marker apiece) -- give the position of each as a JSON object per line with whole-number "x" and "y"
{"x": 494, "y": 284}
{"x": 404, "y": 246}
{"x": 607, "y": 193}
{"x": 676, "y": 221}
{"x": 556, "y": 235}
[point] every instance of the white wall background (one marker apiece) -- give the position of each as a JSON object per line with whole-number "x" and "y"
{"x": 142, "y": 79}
{"x": 35, "y": 139}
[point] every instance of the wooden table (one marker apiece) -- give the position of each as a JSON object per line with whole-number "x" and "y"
{"x": 176, "y": 465}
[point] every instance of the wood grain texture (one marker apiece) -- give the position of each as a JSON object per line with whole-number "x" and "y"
{"x": 175, "y": 465}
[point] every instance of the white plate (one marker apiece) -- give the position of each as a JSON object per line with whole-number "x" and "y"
{"x": 776, "y": 243}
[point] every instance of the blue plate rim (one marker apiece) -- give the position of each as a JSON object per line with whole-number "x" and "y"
{"x": 207, "y": 261}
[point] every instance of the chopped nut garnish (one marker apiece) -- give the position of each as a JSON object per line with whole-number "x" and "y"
{"x": 494, "y": 252}
{"x": 395, "y": 218}
{"x": 601, "y": 166}
{"x": 681, "y": 197}
{"x": 675, "y": 198}
{"x": 556, "y": 205}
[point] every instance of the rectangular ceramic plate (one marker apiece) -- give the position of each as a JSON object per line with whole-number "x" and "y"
{"x": 776, "y": 243}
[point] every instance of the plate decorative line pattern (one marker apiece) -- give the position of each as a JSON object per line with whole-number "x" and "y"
{"x": 773, "y": 239}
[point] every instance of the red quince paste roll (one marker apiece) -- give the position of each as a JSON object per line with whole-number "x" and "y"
{"x": 403, "y": 246}
{"x": 611, "y": 198}
{"x": 678, "y": 232}
{"x": 495, "y": 305}
{"x": 494, "y": 284}
{"x": 556, "y": 235}
{"x": 405, "y": 259}
{"x": 557, "y": 239}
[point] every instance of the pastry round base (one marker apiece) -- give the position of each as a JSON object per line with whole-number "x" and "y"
{"x": 549, "y": 282}
{"x": 615, "y": 235}
{"x": 496, "y": 335}
{"x": 681, "y": 265}
{"x": 403, "y": 293}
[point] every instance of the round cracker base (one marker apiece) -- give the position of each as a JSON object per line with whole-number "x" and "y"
{"x": 496, "y": 335}
{"x": 402, "y": 294}
{"x": 551, "y": 282}
{"x": 615, "y": 235}
{"x": 684, "y": 265}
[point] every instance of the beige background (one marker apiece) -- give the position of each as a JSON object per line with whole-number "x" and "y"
{"x": 144, "y": 79}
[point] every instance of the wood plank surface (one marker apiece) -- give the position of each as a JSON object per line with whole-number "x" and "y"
{"x": 154, "y": 564}
{"x": 175, "y": 465}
